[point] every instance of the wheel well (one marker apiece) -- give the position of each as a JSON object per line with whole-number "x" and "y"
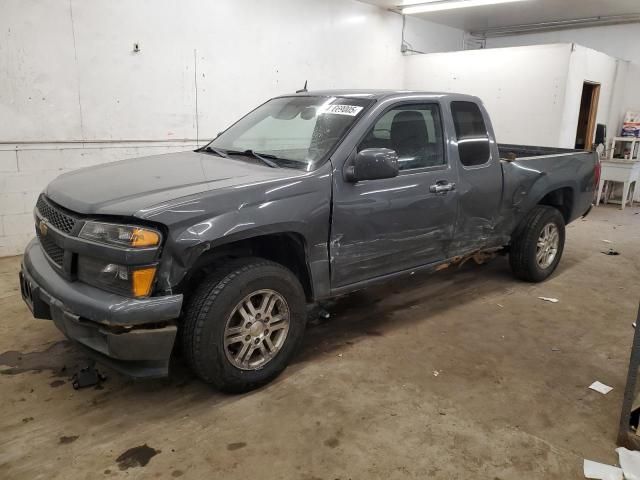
{"x": 287, "y": 249}
{"x": 562, "y": 199}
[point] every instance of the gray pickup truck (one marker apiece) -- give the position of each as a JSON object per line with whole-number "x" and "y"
{"x": 219, "y": 251}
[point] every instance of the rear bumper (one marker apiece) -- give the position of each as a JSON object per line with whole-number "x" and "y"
{"x": 133, "y": 336}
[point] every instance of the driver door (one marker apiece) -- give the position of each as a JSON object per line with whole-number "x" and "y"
{"x": 384, "y": 226}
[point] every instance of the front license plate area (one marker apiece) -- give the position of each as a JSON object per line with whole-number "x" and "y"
{"x": 31, "y": 296}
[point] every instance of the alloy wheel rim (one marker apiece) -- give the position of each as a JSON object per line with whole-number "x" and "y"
{"x": 547, "y": 246}
{"x": 256, "y": 330}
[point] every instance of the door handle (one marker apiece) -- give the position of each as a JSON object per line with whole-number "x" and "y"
{"x": 442, "y": 187}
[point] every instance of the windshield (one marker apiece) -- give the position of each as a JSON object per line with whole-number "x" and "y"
{"x": 295, "y": 132}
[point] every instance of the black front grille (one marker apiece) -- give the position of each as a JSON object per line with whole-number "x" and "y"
{"x": 53, "y": 251}
{"x": 55, "y": 216}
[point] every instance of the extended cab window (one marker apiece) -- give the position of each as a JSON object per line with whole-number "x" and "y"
{"x": 413, "y": 131}
{"x": 471, "y": 132}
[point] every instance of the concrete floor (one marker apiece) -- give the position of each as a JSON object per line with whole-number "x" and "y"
{"x": 362, "y": 400}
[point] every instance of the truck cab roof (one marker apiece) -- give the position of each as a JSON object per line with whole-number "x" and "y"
{"x": 379, "y": 94}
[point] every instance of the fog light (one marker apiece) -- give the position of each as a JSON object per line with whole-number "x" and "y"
{"x": 115, "y": 271}
{"x": 122, "y": 279}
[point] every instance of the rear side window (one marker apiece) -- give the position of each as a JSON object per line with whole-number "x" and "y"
{"x": 471, "y": 132}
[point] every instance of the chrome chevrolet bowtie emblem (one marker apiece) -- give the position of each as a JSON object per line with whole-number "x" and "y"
{"x": 43, "y": 228}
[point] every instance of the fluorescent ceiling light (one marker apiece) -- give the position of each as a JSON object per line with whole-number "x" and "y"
{"x": 408, "y": 3}
{"x": 437, "y": 6}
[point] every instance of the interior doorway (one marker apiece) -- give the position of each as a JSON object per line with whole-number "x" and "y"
{"x": 587, "y": 117}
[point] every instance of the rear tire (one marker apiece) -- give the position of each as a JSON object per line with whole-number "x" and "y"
{"x": 537, "y": 248}
{"x": 227, "y": 322}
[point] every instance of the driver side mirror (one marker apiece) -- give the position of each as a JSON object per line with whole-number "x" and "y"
{"x": 373, "y": 164}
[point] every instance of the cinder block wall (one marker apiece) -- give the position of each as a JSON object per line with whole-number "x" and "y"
{"x": 69, "y": 73}
{"x": 26, "y": 169}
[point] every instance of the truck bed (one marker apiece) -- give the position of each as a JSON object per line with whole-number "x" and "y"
{"x": 532, "y": 172}
{"x": 512, "y": 152}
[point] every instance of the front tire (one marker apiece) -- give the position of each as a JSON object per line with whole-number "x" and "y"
{"x": 243, "y": 324}
{"x": 536, "y": 250}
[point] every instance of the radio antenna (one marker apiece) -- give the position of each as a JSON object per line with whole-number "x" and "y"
{"x": 304, "y": 89}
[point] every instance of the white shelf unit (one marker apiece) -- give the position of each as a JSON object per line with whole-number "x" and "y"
{"x": 634, "y": 149}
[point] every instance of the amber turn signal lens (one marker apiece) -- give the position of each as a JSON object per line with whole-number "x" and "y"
{"x": 142, "y": 280}
{"x": 142, "y": 237}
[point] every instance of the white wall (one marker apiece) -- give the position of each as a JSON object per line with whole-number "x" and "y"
{"x": 532, "y": 93}
{"x": 428, "y": 37}
{"x": 592, "y": 66}
{"x": 69, "y": 77}
{"x": 620, "y": 41}
{"x": 522, "y": 88}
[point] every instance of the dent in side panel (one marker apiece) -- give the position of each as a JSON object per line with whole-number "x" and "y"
{"x": 388, "y": 225}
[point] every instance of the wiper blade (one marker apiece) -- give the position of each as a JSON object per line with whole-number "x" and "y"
{"x": 264, "y": 157}
{"x": 217, "y": 151}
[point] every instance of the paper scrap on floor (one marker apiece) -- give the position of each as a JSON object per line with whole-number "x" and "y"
{"x": 601, "y": 471}
{"x": 601, "y": 388}
{"x": 630, "y": 462}
{"x": 549, "y": 299}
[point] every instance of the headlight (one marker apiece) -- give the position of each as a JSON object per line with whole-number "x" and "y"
{"x": 121, "y": 235}
{"x": 131, "y": 281}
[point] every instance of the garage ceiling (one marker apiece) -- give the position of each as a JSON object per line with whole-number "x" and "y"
{"x": 479, "y": 19}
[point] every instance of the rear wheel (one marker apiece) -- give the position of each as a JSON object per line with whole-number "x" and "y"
{"x": 536, "y": 250}
{"x": 243, "y": 324}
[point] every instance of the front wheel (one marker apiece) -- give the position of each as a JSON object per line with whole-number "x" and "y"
{"x": 536, "y": 250}
{"x": 243, "y": 324}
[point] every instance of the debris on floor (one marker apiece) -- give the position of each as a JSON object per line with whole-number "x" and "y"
{"x": 549, "y": 299}
{"x": 318, "y": 314}
{"x": 607, "y": 241}
{"x": 629, "y": 461}
{"x": 87, "y": 377}
{"x": 436, "y": 373}
{"x": 601, "y": 471}
{"x": 611, "y": 251}
{"x": 629, "y": 469}
{"x": 501, "y": 306}
{"x": 600, "y": 388}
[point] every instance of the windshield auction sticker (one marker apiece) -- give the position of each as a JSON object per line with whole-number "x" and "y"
{"x": 351, "y": 110}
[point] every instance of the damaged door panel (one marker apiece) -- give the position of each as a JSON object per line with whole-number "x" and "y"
{"x": 391, "y": 224}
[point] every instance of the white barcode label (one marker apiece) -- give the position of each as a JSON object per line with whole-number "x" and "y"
{"x": 351, "y": 110}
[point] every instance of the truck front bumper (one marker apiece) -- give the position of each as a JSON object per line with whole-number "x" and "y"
{"x": 133, "y": 336}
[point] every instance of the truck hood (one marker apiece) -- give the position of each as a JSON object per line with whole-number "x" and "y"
{"x": 125, "y": 187}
